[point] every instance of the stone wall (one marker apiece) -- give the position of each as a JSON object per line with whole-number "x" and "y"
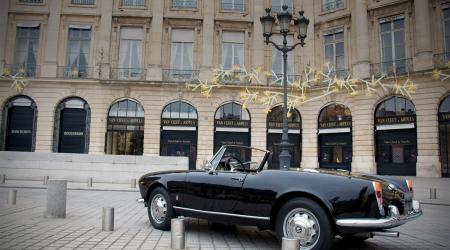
{"x": 79, "y": 167}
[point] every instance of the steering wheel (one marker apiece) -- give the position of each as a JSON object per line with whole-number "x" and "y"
{"x": 234, "y": 164}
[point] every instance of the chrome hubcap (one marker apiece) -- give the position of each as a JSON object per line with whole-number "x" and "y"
{"x": 158, "y": 208}
{"x": 301, "y": 224}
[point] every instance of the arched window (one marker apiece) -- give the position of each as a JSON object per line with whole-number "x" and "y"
{"x": 232, "y": 127}
{"x": 179, "y": 131}
{"x": 335, "y": 137}
{"x": 125, "y": 128}
{"x": 71, "y": 129}
{"x": 274, "y": 132}
{"x": 19, "y": 124}
{"x": 396, "y": 137}
{"x": 232, "y": 111}
{"x": 444, "y": 136}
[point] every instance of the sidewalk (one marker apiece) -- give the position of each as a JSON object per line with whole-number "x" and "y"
{"x": 421, "y": 186}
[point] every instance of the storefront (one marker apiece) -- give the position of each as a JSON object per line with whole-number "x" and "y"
{"x": 179, "y": 131}
{"x": 71, "y": 129}
{"x": 232, "y": 127}
{"x": 19, "y": 124}
{"x": 274, "y": 132}
{"x": 444, "y": 136}
{"x": 396, "y": 137}
{"x": 125, "y": 128}
{"x": 335, "y": 137}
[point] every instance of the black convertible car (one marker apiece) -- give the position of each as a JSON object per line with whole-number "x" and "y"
{"x": 312, "y": 205}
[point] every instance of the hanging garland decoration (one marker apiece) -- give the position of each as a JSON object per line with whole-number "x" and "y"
{"x": 18, "y": 81}
{"x": 312, "y": 80}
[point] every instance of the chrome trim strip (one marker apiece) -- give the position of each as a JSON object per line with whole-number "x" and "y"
{"x": 393, "y": 220}
{"x": 220, "y": 213}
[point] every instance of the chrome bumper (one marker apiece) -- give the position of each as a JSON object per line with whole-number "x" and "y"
{"x": 394, "y": 219}
{"x": 140, "y": 200}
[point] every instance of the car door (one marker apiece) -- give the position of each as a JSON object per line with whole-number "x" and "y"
{"x": 214, "y": 191}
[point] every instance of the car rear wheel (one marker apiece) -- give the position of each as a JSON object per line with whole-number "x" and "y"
{"x": 306, "y": 220}
{"x": 160, "y": 210}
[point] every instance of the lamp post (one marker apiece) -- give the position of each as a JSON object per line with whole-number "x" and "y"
{"x": 284, "y": 20}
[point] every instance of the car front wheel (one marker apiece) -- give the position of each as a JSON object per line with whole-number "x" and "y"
{"x": 160, "y": 209}
{"x": 307, "y": 221}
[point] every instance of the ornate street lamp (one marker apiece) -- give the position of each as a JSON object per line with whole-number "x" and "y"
{"x": 284, "y": 20}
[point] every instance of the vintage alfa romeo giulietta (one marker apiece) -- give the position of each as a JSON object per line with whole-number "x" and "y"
{"x": 312, "y": 205}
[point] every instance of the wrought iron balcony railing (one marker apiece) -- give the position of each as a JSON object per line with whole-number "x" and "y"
{"x": 184, "y": 4}
{"x": 82, "y": 2}
{"x": 21, "y": 70}
{"x": 392, "y": 68}
{"x": 277, "y": 79}
{"x": 333, "y": 5}
{"x": 234, "y": 77}
{"x": 441, "y": 60}
{"x": 134, "y": 74}
{"x": 133, "y": 3}
{"x": 75, "y": 72}
{"x": 179, "y": 75}
{"x": 279, "y": 8}
{"x": 233, "y": 6}
{"x": 31, "y": 1}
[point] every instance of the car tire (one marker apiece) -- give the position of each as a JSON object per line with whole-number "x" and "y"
{"x": 306, "y": 220}
{"x": 160, "y": 210}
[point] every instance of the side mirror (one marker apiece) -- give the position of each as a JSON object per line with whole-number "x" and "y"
{"x": 207, "y": 166}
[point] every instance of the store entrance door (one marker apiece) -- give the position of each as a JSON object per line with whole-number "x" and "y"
{"x": 396, "y": 152}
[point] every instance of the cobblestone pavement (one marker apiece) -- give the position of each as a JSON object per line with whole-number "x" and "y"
{"x": 22, "y": 226}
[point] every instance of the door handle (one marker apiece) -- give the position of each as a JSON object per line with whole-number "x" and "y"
{"x": 240, "y": 179}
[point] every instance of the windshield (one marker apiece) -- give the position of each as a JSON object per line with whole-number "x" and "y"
{"x": 238, "y": 158}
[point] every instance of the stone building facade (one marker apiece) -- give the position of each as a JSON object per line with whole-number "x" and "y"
{"x": 113, "y": 69}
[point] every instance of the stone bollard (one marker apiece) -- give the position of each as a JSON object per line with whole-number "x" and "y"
{"x": 12, "y": 195}
{"x": 433, "y": 192}
{"x": 290, "y": 244}
{"x": 2, "y": 179}
{"x": 56, "y": 199}
{"x": 177, "y": 233}
{"x": 133, "y": 183}
{"x": 108, "y": 219}
{"x": 46, "y": 180}
{"x": 89, "y": 182}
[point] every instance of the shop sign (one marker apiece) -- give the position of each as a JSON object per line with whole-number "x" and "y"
{"x": 278, "y": 125}
{"x": 335, "y": 143}
{"x": 178, "y": 141}
{"x": 125, "y": 121}
{"x": 232, "y": 123}
{"x": 395, "y": 120}
{"x": 179, "y": 122}
{"x": 444, "y": 117}
{"x": 336, "y": 124}
{"x": 20, "y": 131}
{"x": 73, "y": 133}
{"x": 397, "y": 141}
{"x": 233, "y": 142}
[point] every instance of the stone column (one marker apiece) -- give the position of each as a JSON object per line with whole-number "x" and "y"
{"x": 309, "y": 113}
{"x": 104, "y": 40}
{"x": 154, "y": 70}
{"x": 423, "y": 56}
{"x": 207, "y": 42}
{"x": 428, "y": 163}
{"x": 258, "y": 45}
{"x": 4, "y": 7}
{"x": 363, "y": 159}
{"x": 49, "y": 65}
{"x": 56, "y": 199}
{"x": 307, "y": 53}
{"x": 360, "y": 39}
